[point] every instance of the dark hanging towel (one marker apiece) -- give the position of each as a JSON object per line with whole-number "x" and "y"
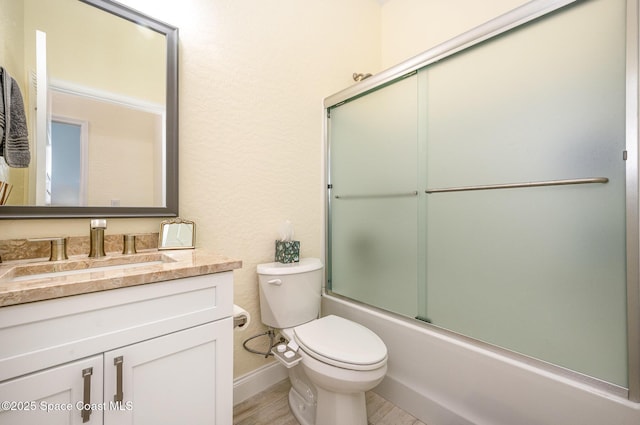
{"x": 14, "y": 137}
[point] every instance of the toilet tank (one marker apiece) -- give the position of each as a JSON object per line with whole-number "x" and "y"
{"x": 290, "y": 293}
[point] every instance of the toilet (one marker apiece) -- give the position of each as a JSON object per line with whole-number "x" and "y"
{"x": 337, "y": 360}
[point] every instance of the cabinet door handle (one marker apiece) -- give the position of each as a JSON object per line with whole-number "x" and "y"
{"x": 119, "y": 396}
{"x": 86, "y": 406}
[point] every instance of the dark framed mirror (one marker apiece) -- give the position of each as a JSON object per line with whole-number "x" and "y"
{"x": 100, "y": 88}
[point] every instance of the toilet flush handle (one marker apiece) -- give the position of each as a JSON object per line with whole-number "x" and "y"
{"x": 275, "y": 282}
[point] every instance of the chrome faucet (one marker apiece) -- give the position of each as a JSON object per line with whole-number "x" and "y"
{"x": 96, "y": 237}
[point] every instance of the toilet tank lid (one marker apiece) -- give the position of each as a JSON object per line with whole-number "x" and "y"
{"x": 305, "y": 265}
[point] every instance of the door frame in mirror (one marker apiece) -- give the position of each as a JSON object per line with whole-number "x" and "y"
{"x": 170, "y": 209}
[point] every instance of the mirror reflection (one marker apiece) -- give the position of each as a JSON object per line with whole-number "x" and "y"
{"x": 96, "y": 102}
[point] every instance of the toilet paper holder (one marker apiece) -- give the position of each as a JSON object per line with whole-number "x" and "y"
{"x": 239, "y": 322}
{"x": 241, "y": 318}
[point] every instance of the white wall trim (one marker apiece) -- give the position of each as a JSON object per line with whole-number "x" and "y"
{"x": 138, "y": 104}
{"x": 258, "y": 380}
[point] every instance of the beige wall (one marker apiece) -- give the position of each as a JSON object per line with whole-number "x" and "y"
{"x": 409, "y": 27}
{"x": 252, "y": 78}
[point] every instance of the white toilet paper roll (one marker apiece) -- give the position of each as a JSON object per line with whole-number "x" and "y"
{"x": 241, "y": 318}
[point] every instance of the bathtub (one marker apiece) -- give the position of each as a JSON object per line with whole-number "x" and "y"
{"x": 443, "y": 379}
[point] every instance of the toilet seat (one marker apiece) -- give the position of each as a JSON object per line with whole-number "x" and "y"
{"x": 342, "y": 343}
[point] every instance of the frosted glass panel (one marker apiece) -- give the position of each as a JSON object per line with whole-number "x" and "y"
{"x": 540, "y": 271}
{"x": 374, "y": 253}
{"x": 542, "y": 102}
{"x": 374, "y": 141}
{"x": 373, "y": 235}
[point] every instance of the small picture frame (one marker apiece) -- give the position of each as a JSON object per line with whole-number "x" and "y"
{"x": 177, "y": 233}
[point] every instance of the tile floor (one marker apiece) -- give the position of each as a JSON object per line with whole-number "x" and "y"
{"x": 272, "y": 407}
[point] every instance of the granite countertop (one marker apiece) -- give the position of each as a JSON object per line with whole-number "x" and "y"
{"x": 22, "y": 282}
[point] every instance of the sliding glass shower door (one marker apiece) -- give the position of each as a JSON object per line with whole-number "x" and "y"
{"x": 485, "y": 193}
{"x": 539, "y": 270}
{"x": 374, "y": 222}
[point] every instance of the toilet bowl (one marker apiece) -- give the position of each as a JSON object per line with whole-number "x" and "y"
{"x": 340, "y": 359}
{"x": 343, "y": 360}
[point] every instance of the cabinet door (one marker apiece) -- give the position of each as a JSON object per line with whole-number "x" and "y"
{"x": 55, "y": 396}
{"x": 181, "y": 378}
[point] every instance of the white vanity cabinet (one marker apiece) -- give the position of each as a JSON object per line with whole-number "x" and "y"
{"x": 158, "y": 353}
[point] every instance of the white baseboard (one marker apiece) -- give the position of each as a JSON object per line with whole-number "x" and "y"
{"x": 258, "y": 380}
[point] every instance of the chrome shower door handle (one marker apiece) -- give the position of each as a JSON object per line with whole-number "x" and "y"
{"x": 276, "y": 282}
